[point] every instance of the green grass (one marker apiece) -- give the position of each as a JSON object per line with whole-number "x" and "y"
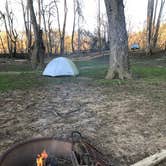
{"x": 14, "y": 67}
{"x": 150, "y": 73}
{"x": 94, "y": 69}
{"x": 29, "y": 80}
{"x": 19, "y": 81}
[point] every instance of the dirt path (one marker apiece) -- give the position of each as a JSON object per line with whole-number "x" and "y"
{"x": 126, "y": 127}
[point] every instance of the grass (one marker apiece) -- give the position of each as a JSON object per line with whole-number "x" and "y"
{"x": 29, "y": 80}
{"x": 148, "y": 73}
{"x": 94, "y": 69}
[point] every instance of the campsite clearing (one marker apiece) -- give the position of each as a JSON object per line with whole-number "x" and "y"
{"x": 124, "y": 119}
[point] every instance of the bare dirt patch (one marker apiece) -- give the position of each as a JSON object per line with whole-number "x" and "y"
{"x": 126, "y": 126}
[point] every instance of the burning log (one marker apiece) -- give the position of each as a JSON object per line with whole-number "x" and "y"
{"x": 41, "y": 158}
{"x": 44, "y": 159}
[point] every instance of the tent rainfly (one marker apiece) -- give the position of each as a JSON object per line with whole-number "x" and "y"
{"x": 60, "y": 66}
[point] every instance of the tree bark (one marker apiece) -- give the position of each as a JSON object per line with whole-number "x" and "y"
{"x": 74, "y": 23}
{"x": 149, "y": 26}
{"x": 45, "y": 27}
{"x": 62, "y": 41}
{"x": 4, "y": 50}
{"x": 99, "y": 27}
{"x": 119, "y": 61}
{"x": 38, "y": 49}
{"x": 155, "y": 36}
{"x": 27, "y": 28}
{"x": 59, "y": 26}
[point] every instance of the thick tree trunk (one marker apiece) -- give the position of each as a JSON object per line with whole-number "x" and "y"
{"x": 119, "y": 62}
{"x": 38, "y": 49}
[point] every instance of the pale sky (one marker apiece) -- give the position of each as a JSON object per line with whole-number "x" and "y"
{"x": 135, "y": 12}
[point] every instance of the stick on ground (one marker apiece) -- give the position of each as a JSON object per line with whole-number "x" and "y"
{"x": 152, "y": 160}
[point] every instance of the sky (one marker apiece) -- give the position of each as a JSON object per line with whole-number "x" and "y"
{"x": 135, "y": 13}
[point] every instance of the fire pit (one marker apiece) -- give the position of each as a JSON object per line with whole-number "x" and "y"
{"x": 56, "y": 152}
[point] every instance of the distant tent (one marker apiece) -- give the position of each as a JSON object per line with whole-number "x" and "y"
{"x": 134, "y": 46}
{"x": 60, "y": 67}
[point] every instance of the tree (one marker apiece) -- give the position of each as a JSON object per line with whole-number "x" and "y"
{"x": 153, "y": 23}
{"x": 38, "y": 48}
{"x": 62, "y": 34}
{"x": 74, "y": 23}
{"x": 27, "y": 26}
{"x": 63, "y": 29}
{"x": 43, "y": 13}
{"x": 119, "y": 61}
{"x": 99, "y": 26}
{"x": 11, "y": 33}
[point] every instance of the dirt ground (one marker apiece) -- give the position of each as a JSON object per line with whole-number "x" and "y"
{"x": 125, "y": 126}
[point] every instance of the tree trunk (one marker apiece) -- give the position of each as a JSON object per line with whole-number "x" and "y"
{"x": 99, "y": 27}
{"x": 149, "y": 26}
{"x": 79, "y": 35}
{"x": 4, "y": 50}
{"x": 38, "y": 49}
{"x": 44, "y": 23}
{"x": 59, "y": 26}
{"x": 62, "y": 45}
{"x": 119, "y": 62}
{"x": 39, "y": 13}
{"x": 155, "y": 36}
{"x": 74, "y": 23}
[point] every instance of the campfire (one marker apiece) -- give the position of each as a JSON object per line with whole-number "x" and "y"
{"x": 54, "y": 152}
{"x": 41, "y": 159}
{"x": 44, "y": 159}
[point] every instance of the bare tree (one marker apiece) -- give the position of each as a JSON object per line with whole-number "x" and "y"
{"x": 80, "y": 16}
{"x": 38, "y": 48}
{"x": 49, "y": 22}
{"x": 27, "y": 26}
{"x": 63, "y": 29}
{"x": 153, "y": 24}
{"x": 119, "y": 62}
{"x": 11, "y": 32}
{"x": 2, "y": 43}
{"x": 74, "y": 24}
{"x": 39, "y": 13}
{"x": 7, "y": 33}
{"x": 155, "y": 34}
{"x": 43, "y": 13}
{"x": 99, "y": 26}
{"x": 61, "y": 33}
{"x": 149, "y": 25}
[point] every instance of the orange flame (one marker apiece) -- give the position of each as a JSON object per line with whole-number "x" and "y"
{"x": 40, "y": 160}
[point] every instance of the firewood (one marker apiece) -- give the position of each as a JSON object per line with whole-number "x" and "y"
{"x": 152, "y": 160}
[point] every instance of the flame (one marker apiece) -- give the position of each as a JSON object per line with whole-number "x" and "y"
{"x": 40, "y": 160}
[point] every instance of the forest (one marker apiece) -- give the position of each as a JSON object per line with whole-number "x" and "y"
{"x": 83, "y": 83}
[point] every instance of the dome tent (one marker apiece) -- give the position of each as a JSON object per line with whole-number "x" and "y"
{"x": 60, "y": 66}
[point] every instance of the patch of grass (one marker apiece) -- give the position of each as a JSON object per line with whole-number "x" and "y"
{"x": 15, "y": 67}
{"x": 29, "y": 80}
{"x": 95, "y": 73}
{"x": 94, "y": 69}
{"x": 18, "y": 81}
{"x": 149, "y": 73}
